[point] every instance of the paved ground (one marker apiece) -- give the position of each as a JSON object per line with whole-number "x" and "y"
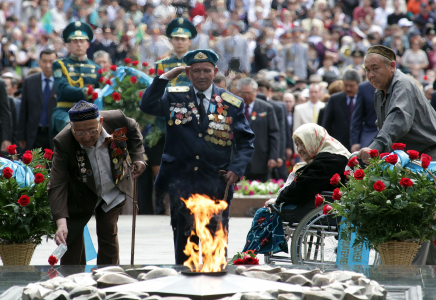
{"x": 154, "y": 241}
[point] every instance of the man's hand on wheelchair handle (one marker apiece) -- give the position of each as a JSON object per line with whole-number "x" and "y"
{"x": 270, "y": 201}
{"x": 364, "y": 155}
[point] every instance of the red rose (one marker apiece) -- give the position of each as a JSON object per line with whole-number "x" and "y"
{"x": 406, "y": 182}
{"x": 39, "y": 178}
{"x": 108, "y": 82}
{"x": 379, "y": 186}
{"x": 434, "y": 242}
{"x": 52, "y": 273}
{"x": 94, "y": 96}
{"x": 151, "y": 72}
{"x": 90, "y": 90}
{"x": 392, "y": 159}
{"x": 116, "y": 96}
{"x": 160, "y": 72}
{"x": 239, "y": 261}
{"x": 359, "y": 174}
{"x": 101, "y": 79}
{"x": 425, "y": 160}
{"x": 347, "y": 173}
{"x": 337, "y": 194}
{"x": 398, "y": 146}
{"x": 7, "y": 173}
{"x": 135, "y": 62}
{"x": 27, "y": 158}
{"x": 335, "y": 179}
{"x": 250, "y": 261}
{"x": 48, "y": 154}
{"x": 383, "y": 155}
{"x": 413, "y": 154}
{"x": 52, "y": 260}
{"x": 127, "y": 60}
{"x": 114, "y": 68}
{"x": 12, "y": 149}
{"x": 101, "y": 71}
{"x": 318, "y": 200}
{"x": 353, "y": 162}
{"x": 140, "y": 94}
{"x": 326, "y": 209}
{"x": 133, "y": 79}
{"x": 144, "y": 64}
{"x": 24, "y": 200}
{"x": 373, "y": 153}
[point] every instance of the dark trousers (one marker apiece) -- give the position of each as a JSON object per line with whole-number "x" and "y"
{"x": 42, "y": 139}
{"x": 182, "y": 221}
{"x": 107, "y": 233}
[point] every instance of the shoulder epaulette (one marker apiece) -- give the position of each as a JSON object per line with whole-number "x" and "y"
{"x": 231, "y": 99}
{"x": 163, "y": 59}
{"x": 178, "y": 89}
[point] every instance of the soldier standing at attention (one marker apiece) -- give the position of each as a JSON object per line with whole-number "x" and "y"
{"x": 207, "y": 132}
{"x": 74, "y": 73}
{"x": 180, "y": 31}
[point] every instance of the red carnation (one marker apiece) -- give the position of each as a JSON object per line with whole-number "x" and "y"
{"x": 101, "y": 79}
{"x": 392, "y": 159}
{"x": 24, "y": 200}
{"x": 413, "y": 154}
{"x": 108, "y": 82}
{"x": 116, "y": 96}
{"x": 406, "y": 182}
{"x": 39, "y": 178}
{"x": 373, "y": 153}
{"x": 353, "y": 162}
{"x": 398, "y": 146}
{"x": 318, "y": 200}
{"x": 94, "y": 96}
{"x": 151, "y": 72}
{"x": 239, "y": 261}
{"x": 133, "y": 79}
{"x": 52, "y": 260}
{"x": 27, "y": 158}
{"x": 359, "y": 174}
{"x": 347, "y": 173}
{"x": 379, "y": 186}
{"x": 101, "y": 71}
{"x": 114, "y": 68}
{"x": 127, "y": 60}
{"x": 160, "y": 72}
{"x": 48, "y": 154}
{"x": 135, "y": 62}
{"x": 140, "y": 94}
{"x": 335, "y": 179}
{"x": 383, "y": 155}
{"x": 337, "y": 194}
{"x": 7, "y": 173}
{"x": 144, "y": 64}
{"x": 425, "y": 160}
{"x": 251, "y": 261}
{"x": 12, "y": 149}
{"x": 326, "y": 209}
{"x": 90, "y": 90}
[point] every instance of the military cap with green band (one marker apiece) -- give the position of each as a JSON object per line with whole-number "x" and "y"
{"x": 77, "y": 30}
{"x": 181, "y": 27}
{"x": 200, "y": 55}
{"x": 383, "y": 51}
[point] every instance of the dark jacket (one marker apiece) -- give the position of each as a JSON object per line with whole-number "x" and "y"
{"x": 312, "y": 179}
{"x": 5, "y": 114}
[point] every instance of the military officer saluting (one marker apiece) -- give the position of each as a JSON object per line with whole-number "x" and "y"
{"x": 180, "y": 31}
{"x": 73, "y": 74}
{"x": 206, "y": 132}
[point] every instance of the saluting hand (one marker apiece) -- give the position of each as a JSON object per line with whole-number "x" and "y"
{"x": 173, "y": 73}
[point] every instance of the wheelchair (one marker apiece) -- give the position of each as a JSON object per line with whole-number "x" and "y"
{"x": 312, "y": 237}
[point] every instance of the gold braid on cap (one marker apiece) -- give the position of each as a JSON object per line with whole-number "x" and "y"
{"x": 383, "y": 51}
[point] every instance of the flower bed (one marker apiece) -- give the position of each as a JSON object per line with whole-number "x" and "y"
{"x": 255, "y": 188}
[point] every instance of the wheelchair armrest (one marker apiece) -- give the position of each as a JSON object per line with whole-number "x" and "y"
{"x": 275, "y": 209}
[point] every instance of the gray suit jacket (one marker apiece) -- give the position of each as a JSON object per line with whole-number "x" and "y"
{"x": 5, "y": 114}
{"x": 32, "y": 104}
{"x": 297, "y": 57}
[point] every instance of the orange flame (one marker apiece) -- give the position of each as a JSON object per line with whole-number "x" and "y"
{"x": 213, "y": 248}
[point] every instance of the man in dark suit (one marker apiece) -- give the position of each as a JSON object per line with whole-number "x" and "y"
{"x": 5, "y": 118}
{"x": 37, "y": 103}
{"x": 261, "y": 117}
{"x": 90, "y": 174}
{"x": 339, "y": 110}
{"x": 207, "y": 134}
{"x": 363, "y": 128}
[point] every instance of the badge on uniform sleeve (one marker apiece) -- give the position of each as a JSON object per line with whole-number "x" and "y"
{"x": 57, "y": 73}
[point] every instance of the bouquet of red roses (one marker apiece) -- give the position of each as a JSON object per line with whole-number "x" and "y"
{"x": 245, "y": 258}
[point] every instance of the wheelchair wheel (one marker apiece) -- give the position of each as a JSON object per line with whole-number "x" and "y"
{"x": 315, "y": 240}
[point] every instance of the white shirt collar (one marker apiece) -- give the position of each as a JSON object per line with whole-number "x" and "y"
{"x": 207, "y": 93}
{"x": 43, "y": 77}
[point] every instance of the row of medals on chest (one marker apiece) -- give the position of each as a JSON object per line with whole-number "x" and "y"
{"x": 219, "y": 123}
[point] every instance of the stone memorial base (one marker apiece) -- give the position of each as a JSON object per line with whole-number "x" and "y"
{"x": 244, "y": 206}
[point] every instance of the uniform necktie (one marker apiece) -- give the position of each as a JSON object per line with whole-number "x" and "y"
{"x": 246, "y": 112}
{"x": 201, "y": 96}
{"x": 351, "y": 107}
{"x": 315, "y": 115}
{"x": 45, "y": 97}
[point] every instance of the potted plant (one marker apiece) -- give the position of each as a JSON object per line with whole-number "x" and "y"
{"x": 25, "y": 215}
{"x": 390, "y": 204}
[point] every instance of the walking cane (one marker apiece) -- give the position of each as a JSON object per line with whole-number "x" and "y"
{"x": 135, "y": 210}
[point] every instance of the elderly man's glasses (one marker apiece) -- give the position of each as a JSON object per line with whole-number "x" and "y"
{"x": 81, "y": 133}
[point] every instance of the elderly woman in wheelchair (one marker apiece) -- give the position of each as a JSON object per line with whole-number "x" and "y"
{"x": 323, "y": 157}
